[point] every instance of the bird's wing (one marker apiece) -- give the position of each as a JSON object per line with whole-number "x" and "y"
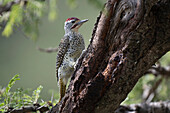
{"x": 62, "y": 49}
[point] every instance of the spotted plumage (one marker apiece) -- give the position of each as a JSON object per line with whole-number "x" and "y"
{"x": 69, "y": 50}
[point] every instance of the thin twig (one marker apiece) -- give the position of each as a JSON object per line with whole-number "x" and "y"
{"x": 151, "y": 93}
{"x": 159, "y": 70}
{"x": 33, "y": 108}
{"x": 48, "y": 50}
{"x": 52, "y": 96}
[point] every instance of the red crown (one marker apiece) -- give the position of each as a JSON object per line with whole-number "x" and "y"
{"x": 72, "y": 19}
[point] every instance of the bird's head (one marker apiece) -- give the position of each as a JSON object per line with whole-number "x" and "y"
{"x": 73, "y": 24}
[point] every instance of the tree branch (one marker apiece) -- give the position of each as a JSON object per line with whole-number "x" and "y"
{"x": 48, "y": 50}
{"x": 153, "y": 107}
{"x": 34, "y": 108}
{"x": 7, "y": 7}
{"x": 159, "y": 70}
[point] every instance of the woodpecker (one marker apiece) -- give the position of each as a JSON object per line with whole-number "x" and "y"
{"x": 69, "y": 50}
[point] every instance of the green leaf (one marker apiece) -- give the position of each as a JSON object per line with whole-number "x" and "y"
{"x": 36, "y": 94}
{"x": 35, "y": 7}
{"x": 14, "y": 19}
{"x": 10, "y": 84}
{"x": 8, "y": 30}
{"x": 34, "y": 10}
{"x": 27, "y": 99}
{"x": 2, "y": 104}
{"x": 2, "y": 107}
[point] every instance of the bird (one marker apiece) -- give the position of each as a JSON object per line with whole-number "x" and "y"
{"x": 69, "y": 50}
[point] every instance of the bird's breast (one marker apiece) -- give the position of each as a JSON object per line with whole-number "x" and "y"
{"x": 76, "y": 46}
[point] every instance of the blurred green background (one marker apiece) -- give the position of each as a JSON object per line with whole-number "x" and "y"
{"x": 18, "y": 55}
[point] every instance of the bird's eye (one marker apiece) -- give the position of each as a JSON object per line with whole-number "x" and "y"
{"x": 73, "y": 21}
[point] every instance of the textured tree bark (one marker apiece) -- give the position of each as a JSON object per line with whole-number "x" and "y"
{"x": 128, "y": 38}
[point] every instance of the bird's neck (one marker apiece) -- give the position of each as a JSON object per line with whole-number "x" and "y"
{"x": 72, "y": 34}
{"x": 68, "y": 31}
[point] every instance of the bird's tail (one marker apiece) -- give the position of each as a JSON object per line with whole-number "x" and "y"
{"x": 62, "y": 88}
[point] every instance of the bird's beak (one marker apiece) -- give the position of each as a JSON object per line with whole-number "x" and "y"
{"x": 79, "y": 23}
{"x": 82, "y": 21}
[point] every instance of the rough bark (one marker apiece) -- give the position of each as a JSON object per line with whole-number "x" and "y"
{"x": 128, "y": 38}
